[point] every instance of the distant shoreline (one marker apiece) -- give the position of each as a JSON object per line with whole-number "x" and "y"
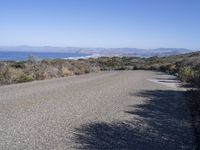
{"x": 22, "y": 55}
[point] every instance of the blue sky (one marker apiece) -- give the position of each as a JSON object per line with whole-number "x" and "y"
{"x": 101, "y": 23}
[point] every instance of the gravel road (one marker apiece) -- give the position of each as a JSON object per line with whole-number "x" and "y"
{"x": 107, "y": 110}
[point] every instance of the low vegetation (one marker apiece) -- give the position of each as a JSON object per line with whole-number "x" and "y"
{"x": 17, "y": 72}
{"x": 185, "y": 66}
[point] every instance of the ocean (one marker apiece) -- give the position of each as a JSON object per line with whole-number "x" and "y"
{"x": 20, "y": 56}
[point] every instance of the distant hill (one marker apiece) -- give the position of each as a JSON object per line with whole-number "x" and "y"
{"x": 102, "y": 51}
{"x": 137, "y": 52}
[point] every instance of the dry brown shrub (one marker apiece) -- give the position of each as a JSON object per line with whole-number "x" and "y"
{"x": 65, "y": 72}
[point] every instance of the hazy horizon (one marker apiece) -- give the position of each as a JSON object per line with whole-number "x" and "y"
{"x": 90, "y": 47}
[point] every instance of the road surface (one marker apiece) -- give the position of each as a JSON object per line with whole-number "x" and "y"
{"x": 107, "y": 110}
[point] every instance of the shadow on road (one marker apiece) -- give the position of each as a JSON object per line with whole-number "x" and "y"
{"x": 160, "y": 123}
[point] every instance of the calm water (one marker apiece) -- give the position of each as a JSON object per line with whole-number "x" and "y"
{"x": 19, "y": 56}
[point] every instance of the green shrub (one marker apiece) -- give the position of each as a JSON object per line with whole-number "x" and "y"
{"x": 24, "y": 78}
{"x": 186, "y": 74}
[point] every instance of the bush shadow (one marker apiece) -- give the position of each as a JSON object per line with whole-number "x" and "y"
{"x": 159, "y": 123}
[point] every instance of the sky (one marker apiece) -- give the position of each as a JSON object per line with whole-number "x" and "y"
{"x": 101, "y": 23}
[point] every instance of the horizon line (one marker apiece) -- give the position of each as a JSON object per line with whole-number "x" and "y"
{"x": 51, "y": 46}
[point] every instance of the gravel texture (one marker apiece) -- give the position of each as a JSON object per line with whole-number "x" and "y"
{"x": 107, "y": 110}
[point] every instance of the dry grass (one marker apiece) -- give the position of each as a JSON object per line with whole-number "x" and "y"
{"x": 15, "y": 72}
